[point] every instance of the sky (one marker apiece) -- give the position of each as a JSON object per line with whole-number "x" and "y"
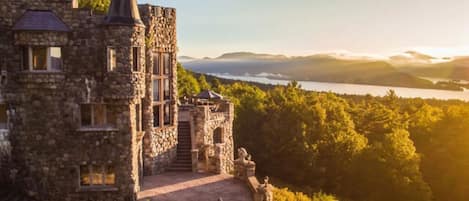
{"x": 304, "y": 27}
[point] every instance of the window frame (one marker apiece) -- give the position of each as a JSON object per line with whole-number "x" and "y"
{"x": 103, "y": 171}
{"x": 7, "y": 120}
{"x": 136, "y": 56}
{"x": 93, "y": 123}
{"x": 111, "y": 61}
{"x": 165, "y": 98}
{"x": 49, "y": 67}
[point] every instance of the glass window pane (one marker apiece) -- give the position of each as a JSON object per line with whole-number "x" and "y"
{"x": 156, "y": 63}
{"x": 85, "y": 177}
{"x": 167, "y": 114}
{"x": 138, "y": 116}
{"x": 167, "y": 93}
{"x": 136, "y": 58}
{"x": 156, "y": 116}
{"x": 55, "y": 58}
{"x": 111, "y": 63}
{"x": 110, "y": 176}
{"x": 156, "y": 90}
{"x": 167, "y": 64}
{"x": 97, "y": 175}
{"x": 85, "y": 111}
{"x": 3, "y": 116}
{"x": 99, "y": 115}
{"x": 39, "y": 55}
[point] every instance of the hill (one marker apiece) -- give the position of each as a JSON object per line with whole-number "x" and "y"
{"x": 320, "y": 67}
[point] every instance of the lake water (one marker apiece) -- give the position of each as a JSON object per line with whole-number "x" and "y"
{"x": 358, "y": 89}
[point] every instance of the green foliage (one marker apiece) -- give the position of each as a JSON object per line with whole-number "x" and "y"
{"x": 100, "y": 6}
{"x": 360, "y": 148}
{"x": 187, "y": 84}
{"x": 204, "y": 85}
{"x": 286, "y": 195}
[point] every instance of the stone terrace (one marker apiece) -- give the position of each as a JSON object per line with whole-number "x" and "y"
{"x": 178, "y": 186}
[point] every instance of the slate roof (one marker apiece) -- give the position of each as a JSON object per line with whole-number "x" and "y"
{"x": 40, "y": 20}
{"x": 123, "y": 12}
{"x": 207, "y": 94}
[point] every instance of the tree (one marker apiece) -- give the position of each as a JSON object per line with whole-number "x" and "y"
{"x": 100, "y": 6}
{"x": 187, "y": 84}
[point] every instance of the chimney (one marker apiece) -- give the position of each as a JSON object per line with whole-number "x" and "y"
{"x": 123, "y": 12}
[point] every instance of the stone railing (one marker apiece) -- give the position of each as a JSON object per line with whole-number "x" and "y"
{"x": 245, "y": 170}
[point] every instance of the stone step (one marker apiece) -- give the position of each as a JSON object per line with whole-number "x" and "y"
{"x": 184, "y": 169}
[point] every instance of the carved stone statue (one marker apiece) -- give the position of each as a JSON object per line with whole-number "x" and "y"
{"x": 265, "y": 190}
{"x": 244, "y": 167}
{"x": 243, "y": 158}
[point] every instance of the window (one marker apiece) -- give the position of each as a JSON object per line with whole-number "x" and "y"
{"x": 162, "y": 93}
{"x": 167, "y": 94}
{"x": 111, "y": 58}
{"x": 138, "y": 117}
{"x": 167, "y": 114}
{"x": 218, "y": 136}
{"x": 3, "y": 116}
{"x": 39, "y": 58}
{"x": 156, "y": 63}
{"x": 156, "y": 90}
{"x": 96, "y": 115}
{"x": 167, "y": 63}
{"x": 97, "y": 175}
{"x": 136, "y": 59}
{"x": 156, "y": 116}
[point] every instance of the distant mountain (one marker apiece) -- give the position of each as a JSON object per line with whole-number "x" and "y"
{"x": 400, "y": 70}
{"x": 186, "y": 58}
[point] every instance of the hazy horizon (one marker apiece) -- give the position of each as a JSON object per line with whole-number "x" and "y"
{"x": 304, "y": 27}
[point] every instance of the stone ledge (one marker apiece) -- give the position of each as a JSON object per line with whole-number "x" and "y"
{"x": 97, "y": 129}
{"x": 98, "y": 189}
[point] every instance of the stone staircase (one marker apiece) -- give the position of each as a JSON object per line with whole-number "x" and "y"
{"x": 183, "y": 161}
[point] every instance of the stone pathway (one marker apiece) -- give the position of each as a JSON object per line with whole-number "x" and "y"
{"x": 186, "y": 186}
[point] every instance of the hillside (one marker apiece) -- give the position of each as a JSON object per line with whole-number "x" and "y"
{"x": 320, "y": 67}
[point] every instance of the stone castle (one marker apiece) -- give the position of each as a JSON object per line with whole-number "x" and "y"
{"x": 89, "y": 105}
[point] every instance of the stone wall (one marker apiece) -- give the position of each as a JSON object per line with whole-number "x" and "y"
{"x": 159, "y": 143}
{"x": 48, "y": 143}
{"x": 204, "y": 121}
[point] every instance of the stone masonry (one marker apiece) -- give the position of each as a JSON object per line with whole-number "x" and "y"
{"x": 212, "y": 135}
{"x": 82, "y": 126}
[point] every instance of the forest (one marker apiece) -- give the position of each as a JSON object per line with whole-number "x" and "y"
{"x": 331, "y": 147}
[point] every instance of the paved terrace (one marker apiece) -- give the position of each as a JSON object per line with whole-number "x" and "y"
{"x": 186, "y": 186}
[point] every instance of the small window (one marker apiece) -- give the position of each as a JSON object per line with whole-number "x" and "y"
{"x": 156, "y": 116}
{"x": 156, "y": 90}
{"x": 97, "y": 175}
{"x": 96, "y": 115}
{"x": 167, "y": 114}
{"x": 167, "y": 91}
{"x": 156, "y": 63}
{"x": 167, "y": 63}
{"x": 218, "y": 136}
{"x": 111, "y": 58}
{"x": 3, "y": 116}
{"x": 138, "y": 117}
{"x": 136, "y": 59}
{"x": 39, "y": 58}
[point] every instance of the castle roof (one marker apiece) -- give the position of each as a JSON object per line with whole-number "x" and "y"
{"x": 40, "y": 20}
{"x": 123, "y": 12}
{"x": 208, "y": 94}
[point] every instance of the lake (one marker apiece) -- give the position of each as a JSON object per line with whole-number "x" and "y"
{"x": 358, "y": 89}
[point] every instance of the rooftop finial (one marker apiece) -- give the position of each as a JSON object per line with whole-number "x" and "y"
{"x": 123, "y": 12}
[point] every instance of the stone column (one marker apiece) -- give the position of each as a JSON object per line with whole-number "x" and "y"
{"x": 195, "y": 160}
{"x": 220, "y": 159}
